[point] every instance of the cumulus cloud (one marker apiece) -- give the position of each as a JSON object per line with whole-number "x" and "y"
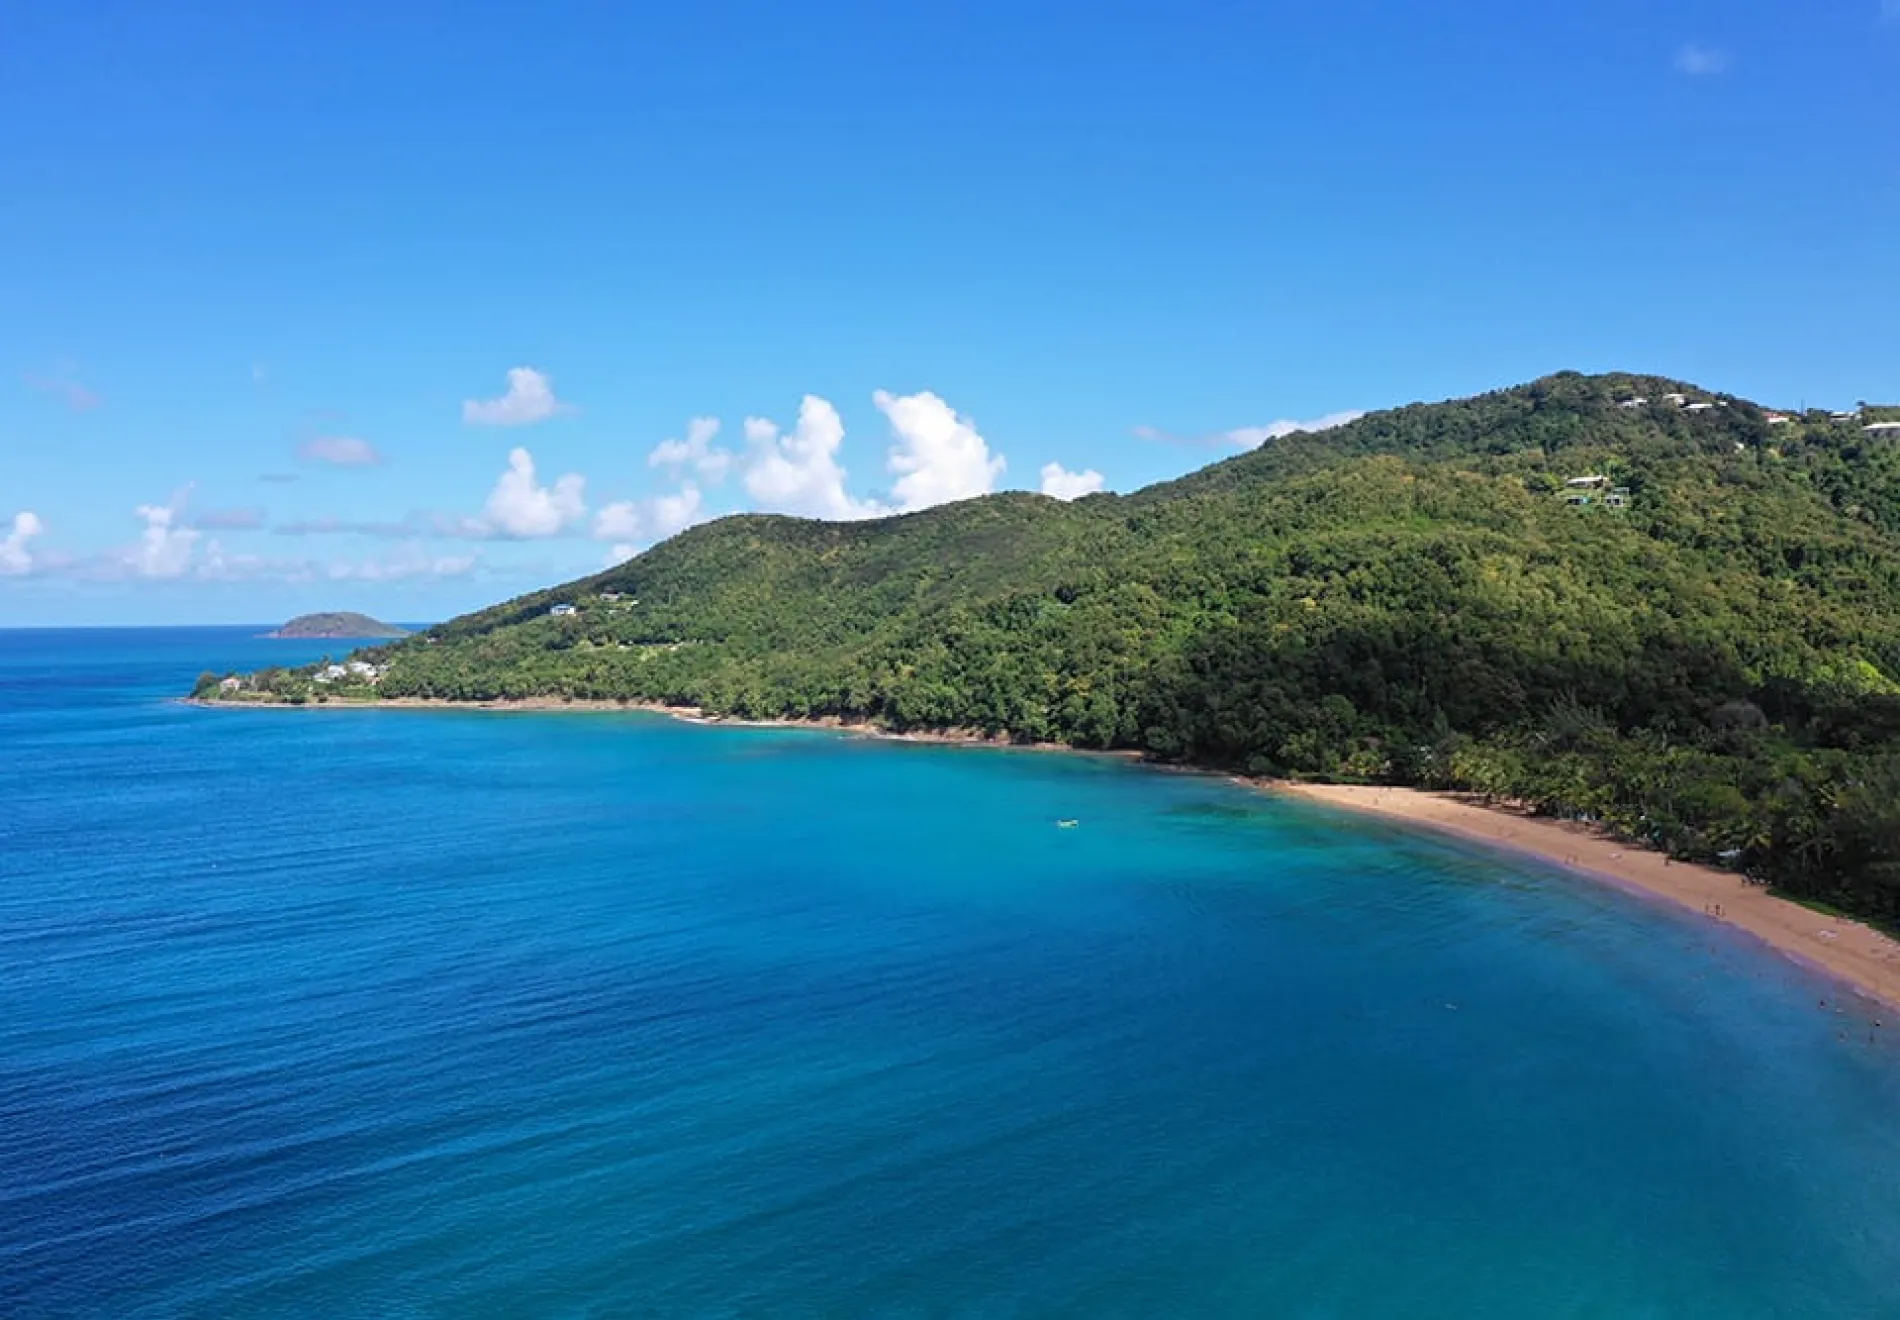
{"x": 340, "y": 451}
{"x": 16, "y": 551}
{"x": 671, "y": 514}
{"x": 521, "y": 508}
{"x": 164, "y": 549}
{"x": 799, "y": 473}
{"x": 1252, "y": 437}
{"x": 696, "y": 453}
{"x": 628, "y": 522}
{"x": 938, "y": 456}
{"x": 530, "y": 398}
{"x": 633, "y": 525}
{"x": 1702, "y": 61}
{"x": 1062, "y": 484}
{"x": 622, "y": 520}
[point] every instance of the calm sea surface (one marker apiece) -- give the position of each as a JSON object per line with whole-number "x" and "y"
{"x": 465, "y": 1014}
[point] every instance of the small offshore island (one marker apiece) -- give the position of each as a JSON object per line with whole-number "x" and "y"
{"x": 343, "y": 625}
{"x": 1668, "y": 613}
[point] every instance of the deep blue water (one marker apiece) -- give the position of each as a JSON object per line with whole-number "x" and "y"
{"x": 319, "y": 1013}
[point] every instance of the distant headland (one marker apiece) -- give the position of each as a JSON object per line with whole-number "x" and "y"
{"x": 341, "y": 624}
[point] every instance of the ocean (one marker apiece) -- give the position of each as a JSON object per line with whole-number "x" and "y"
{"x": 425, "y": 1013}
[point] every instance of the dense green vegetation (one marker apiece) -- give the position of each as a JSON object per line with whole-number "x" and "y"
{"x": 343, "y": 624}
{"x": 1714, "y": 668}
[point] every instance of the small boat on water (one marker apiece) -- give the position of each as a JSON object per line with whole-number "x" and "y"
{"x": 1067, "y": 824}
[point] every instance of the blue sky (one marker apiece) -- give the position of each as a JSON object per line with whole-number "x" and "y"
{"x": 406, "y": 312}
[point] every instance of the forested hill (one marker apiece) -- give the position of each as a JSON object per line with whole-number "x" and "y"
{"x": 343, "y": 625}
{"x": 1702, "y": 647}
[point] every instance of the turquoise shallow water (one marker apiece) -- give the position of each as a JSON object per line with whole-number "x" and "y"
{"x": 445, "y": 1014}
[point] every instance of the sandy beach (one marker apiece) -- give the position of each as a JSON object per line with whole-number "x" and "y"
{"x": 1858, "y": 955}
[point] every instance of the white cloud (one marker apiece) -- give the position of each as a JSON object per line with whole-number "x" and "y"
{"x": 220, "y": 565}
{"x": 1062, "y": 484}
{"x": 672, "y": 514}
{"x": 631, "y": 521}
{"x": 410, "y": 561}
{"x": 16, "y": 554}
{"x": 799, "y": 473}
{"x": 165, "y": 547}
{"x": 623, "y": 519}
{"x": 938, "y": 456}
{"x": 530, "y": 398}
{"x": 696, "y": 452}
{"x": 404, "y": 562}
{"x": 520, "y": 507}
{"x": 1702, "y": 61}
{"x": 619, "y": 554}
{"x": 339, "y": 450}
{"x": 1252, "y": 437}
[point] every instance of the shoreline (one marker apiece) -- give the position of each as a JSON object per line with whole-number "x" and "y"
{"x": 1840, "y": 948}
{"x": 539, "y": 704}
{"x": 685, "y": 714}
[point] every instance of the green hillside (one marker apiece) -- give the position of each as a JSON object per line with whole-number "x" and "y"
{"x": 1714, "y": 666}
{"x": 343, "y": 625}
